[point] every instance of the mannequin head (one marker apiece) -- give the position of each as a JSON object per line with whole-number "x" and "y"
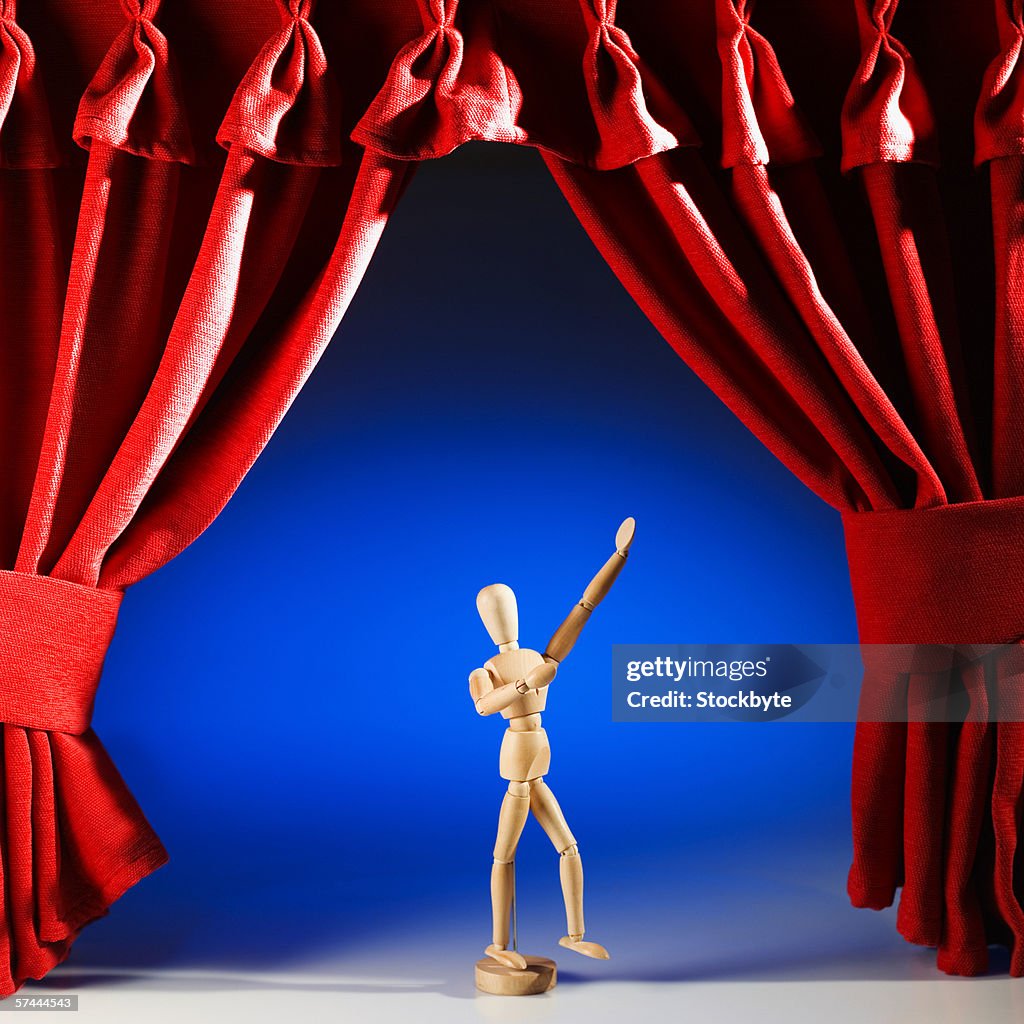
{"x": 500, "y": 614}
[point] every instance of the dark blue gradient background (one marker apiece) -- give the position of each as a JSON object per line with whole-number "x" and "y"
{"x": 288, "y": 699}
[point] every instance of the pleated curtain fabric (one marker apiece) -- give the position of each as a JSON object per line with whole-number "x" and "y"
{"x": 190, "y": 194}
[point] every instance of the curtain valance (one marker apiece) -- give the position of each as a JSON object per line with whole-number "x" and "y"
{"x": 562, "y": 77}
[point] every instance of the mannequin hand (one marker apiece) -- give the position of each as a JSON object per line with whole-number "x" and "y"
{"x": 624, "y": 536}
{"x": 540, "y": 676}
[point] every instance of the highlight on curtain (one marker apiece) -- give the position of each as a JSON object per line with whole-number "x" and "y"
{"x": 182, "y": 268}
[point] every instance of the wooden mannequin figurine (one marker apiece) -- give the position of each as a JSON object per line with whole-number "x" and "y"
{"x": 515, "y": 682}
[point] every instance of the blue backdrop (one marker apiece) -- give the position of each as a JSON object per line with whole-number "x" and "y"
{"x": 288, "y": 699}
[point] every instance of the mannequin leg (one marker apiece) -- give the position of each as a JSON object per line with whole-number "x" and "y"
{"x": 570, "y": 868}
{"x": 515, "y": 808}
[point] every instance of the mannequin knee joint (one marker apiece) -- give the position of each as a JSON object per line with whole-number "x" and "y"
{"x": 519, "y": 789}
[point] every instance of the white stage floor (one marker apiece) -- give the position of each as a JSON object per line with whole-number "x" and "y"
{"x": 721, "y": 943}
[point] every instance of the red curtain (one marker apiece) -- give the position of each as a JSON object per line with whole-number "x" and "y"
{"x": 145, "y": 373}
{"x": 749, "y": 279}
{"x": 190, "y": 193}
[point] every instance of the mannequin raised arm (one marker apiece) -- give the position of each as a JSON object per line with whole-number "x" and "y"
{"x": 568, "y": 632}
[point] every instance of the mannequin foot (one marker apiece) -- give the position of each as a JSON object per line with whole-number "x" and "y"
{"x": 591, "y": 949}
{"x": 509, "y": 957}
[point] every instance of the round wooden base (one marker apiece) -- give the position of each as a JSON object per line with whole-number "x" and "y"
{"x": 540, "y": 976}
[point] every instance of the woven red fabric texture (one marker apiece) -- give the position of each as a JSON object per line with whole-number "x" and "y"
{"x": 54, "y": 639}
{"x": 913, "y": 550}
{"x": 191, "y": 192}
{"x": 562, "y": 77}
{"x": 134, "y": 100}
{"x": 27, "y": 139}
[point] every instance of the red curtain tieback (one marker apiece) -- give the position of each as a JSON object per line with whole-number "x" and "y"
{"x": 953, "y": 574}
{"x": 54, "y": 636}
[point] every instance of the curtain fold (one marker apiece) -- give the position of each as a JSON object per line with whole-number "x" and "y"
{"x": 778, "y": 211}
